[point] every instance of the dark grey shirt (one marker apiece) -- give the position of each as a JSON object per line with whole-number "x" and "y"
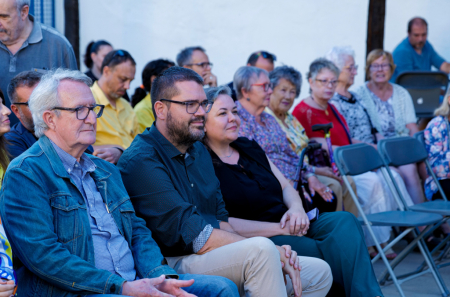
{"x": 112, "y": 252}
{"x": 45, "y": 48}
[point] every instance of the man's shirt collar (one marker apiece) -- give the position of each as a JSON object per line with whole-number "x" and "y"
{"x": 170, "y": 149}
{"x": 36, "y": 33}
{"x": 70, "y": 163}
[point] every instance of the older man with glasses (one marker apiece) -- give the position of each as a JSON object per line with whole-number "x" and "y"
{"x": 195, "y": 58}
{"x": 81, "y": 235}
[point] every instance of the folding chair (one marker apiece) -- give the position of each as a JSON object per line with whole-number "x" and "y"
{"x": 400, "y": 151}
{"x": 360, "y": 158}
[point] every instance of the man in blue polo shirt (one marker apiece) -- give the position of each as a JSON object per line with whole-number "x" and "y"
{"x": 415, "y": 53}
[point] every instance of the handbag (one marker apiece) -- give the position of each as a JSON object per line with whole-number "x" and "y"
{"x": 318, "y": 157}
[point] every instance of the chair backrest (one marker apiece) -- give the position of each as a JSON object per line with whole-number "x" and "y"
{"x": 398, "y": 151}
{"x": 426, "y": 89}
{"x": 420, "y": 137}
{"x": 357, "y": 158}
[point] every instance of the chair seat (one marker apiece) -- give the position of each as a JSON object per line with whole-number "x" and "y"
{"x": 402, "y": 218}
{"x": 439, "y": 206}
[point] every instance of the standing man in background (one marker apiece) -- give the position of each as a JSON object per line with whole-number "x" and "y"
{"x": 195, "y": 58}
{"x": 415, "y": 53}
{"x": 26, "y": 45}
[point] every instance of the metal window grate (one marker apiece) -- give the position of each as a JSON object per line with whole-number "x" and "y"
{"x": 43, "y": 11}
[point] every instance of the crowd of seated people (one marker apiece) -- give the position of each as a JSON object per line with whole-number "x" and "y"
{"x": 188, "y": 190}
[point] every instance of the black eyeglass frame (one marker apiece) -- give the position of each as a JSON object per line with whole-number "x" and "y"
{"x": 76, "y": 109}
{"x": 206, "y": 64}
{"x": 205, "y": 107}
{"x": 20, "y": 103}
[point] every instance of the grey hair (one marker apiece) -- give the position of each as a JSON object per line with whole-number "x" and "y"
{"x": 320, "y": 64}
{"x": 21, "y": 3}
{"x": 245, "y": 77}
{"x": 338, "y": 54}
{"x": 184, "y": 57}
{"x": 444, "y": 109}
{"x": 45, "y": 96}
{"x": 288, "y": 73}
{"x": 213, "y": 93}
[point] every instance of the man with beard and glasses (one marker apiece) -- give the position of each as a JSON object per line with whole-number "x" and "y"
{"x": 170, "y": 178}
{"x": 118, "y": 126}
{"x": 415, "y": 53}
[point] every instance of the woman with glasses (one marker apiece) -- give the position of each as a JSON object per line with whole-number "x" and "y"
{"x": 391, "y": 111}
{"x": 315, "y": 109}
{"x": 253, "y": 89}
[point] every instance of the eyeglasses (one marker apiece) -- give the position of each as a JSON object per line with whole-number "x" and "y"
{"x": 204, "y": 65}
{"x": 376, "y": 67}
{"x": 118, "y": 53}
{"x": 266, "y": 86}
{"x": 193, "y": 106}
{"x": 267, "y": 55}
{"x": 83, "y": 111}
{"x": 20, "y": 103}
{"x": 325, "y": 82}
{"x": 352, "y": 68}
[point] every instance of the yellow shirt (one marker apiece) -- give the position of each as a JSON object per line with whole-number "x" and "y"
{"x": 117, "y": 126}
{"x": 144, "y": 113}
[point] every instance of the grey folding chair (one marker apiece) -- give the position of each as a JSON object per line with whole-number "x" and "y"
{"x": 360, "y": 158}
{"x": 400, "y": 151}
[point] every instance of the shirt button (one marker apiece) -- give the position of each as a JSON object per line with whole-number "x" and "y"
{"x": 192, "y": 185}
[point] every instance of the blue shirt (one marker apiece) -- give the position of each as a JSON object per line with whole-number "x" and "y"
{"x": 110, "y": 247}
{"x": 407, "y": 59}
{"x": 19, "y": 140}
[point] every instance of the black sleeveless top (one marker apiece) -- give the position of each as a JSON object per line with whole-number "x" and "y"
{"x": 250, "y": 189}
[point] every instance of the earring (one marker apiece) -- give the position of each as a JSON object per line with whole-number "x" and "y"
{"x": 248, "y": 99}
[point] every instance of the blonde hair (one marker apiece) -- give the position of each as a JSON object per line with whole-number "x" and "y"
{"x": 444, "y": 109}
{"x": 376, "y": 54}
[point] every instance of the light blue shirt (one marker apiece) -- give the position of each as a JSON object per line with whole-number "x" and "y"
{"x": 407, "y": 59}
{"x": 110, "y": 247}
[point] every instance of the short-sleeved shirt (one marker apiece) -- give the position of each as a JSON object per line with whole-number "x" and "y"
{"x": 309, "y": 116}
{"x": 177, "y": 194}
{"x": 45, "y": 48}
{"x": 118, "y": 125}
{"x": 356, "y": 116}
{"x": 144, "y": 113}
{"x": 407, "y": 59}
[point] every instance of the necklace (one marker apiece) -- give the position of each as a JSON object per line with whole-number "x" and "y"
{"x": 323, "y": 108}
{"x": 232, "y": 151}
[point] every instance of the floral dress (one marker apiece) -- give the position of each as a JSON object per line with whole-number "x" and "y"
{"x": 436, "y": 143}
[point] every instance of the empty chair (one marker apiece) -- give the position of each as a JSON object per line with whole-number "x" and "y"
{"x": 425, "y": 88}
{"x": 360, "y": 158}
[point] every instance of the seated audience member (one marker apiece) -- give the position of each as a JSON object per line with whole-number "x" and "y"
{"x": 415, "y": 53}
{"x": 81, "y": 235}
{"x": 391, "y": 111}
{"x": 28, "y": 44}
{"x": 118, "y": 126}
{"x": 286, "y": 83}
{"x": 195, "y": 58}
{"x": 253, "y": 90}
{"x": 261, "y": 202}
{"x": 8, "y": 281}
{"x": 261, "y": 59}
{"x": 349, "y": 105}
{"x": 315, "y": 109}
{"x": 21, "y": 137}
{"x": 141, "y": 101}
{"x": 93, "y": 58}
{"x": 170, "y": 178}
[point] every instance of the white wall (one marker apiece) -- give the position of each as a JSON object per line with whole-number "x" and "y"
{"x": 296, "y": 31}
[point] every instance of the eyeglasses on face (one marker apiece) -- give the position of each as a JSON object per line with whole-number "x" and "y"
{"x": 325, "y": 82}
{"x": 266, "y": 86}
{"x": 204, "y": 65}
{"x": 20, "y": 103}
{"x": 352, "y": 68}
{"x": 376, "y": 67}
{"x": 83, "y": 111}
{"x": 193, "y": 106}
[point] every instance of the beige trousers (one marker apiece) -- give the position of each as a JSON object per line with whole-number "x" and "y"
{"x": 254, "y": 266}
{"x": 341, "y": 192}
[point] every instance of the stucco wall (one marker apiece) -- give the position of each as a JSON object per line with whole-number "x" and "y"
{"x": 296, "y": 31}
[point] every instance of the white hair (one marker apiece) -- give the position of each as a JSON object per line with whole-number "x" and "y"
{"x": 338, "y": 54}
{"x": 45, "y": 96}
{"x": 244, "y": 77}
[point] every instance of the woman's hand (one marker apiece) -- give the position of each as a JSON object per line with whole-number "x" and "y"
{"x": 7, "y": 288}
{"x": 316, "y": 186}
{"x": 327, "y": 171}
{"x": 291, "y": 266}
{"x": 297, "y": 219}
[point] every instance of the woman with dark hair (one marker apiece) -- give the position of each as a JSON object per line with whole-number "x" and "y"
{"x": 141, "y": 98}
{"x": 93, "y": 58}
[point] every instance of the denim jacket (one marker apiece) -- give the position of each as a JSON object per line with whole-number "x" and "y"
{"x": 46, "y": 221}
